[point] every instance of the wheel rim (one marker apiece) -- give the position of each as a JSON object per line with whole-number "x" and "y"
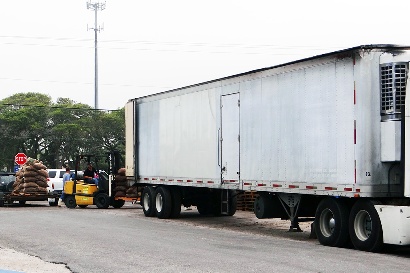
{"x": 158, "y": 202}
{"x": 363, "y": 225}
{"x": 327, "y": 222}
{"x": 146, "y": 201}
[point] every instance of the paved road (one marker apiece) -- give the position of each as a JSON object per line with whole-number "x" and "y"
{"x": 123, "y": 240}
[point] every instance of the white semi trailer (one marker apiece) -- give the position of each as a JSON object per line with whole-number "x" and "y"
{"x": 323, "y": 137}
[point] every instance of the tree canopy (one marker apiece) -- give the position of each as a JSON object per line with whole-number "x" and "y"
{"x": 56, "y": 132}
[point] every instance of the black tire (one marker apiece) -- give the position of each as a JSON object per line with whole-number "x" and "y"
{"x": 118, "y": 203}
{"x": 148, "y": 201}
{"x": 203, "y": 208}
{"x": 215, "y": 204}
{"x": 332, "y": 222}
{"x": 366, "y": 232}
{"x": 53, "y": 203}
{"x": 102, "y": 200}
{"x": 83, "y": 206}
{"x": 70, "y": 201}
{"x": 263, "y": 206}
{"x": 163, "y": 202}
{"x": 176, "y": 202}
{"x": 233, "y": 202}
{"x": 22, "y": 202}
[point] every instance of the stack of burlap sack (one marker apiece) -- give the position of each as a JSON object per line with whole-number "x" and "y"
{"x": 122, "y": 187}
{"x": 31, "y": 178}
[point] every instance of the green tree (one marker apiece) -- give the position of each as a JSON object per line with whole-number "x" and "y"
{"x": 56, "y": 132}
{"x": 23, "y": 119}
{"x": 66, "y": 131}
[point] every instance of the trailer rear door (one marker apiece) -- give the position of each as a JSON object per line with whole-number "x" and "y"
{"x": 230, "y": 138}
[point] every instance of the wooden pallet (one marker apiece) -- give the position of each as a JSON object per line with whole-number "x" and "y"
{"x": 246, "y": 200}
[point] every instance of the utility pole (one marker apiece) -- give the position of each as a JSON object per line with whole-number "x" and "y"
{"x": 95, "y": 7}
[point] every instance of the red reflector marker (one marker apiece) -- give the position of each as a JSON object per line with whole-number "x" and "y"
{"x": 311, "y": 187}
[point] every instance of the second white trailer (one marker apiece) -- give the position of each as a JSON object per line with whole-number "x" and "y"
{"x": 322, "y": 137}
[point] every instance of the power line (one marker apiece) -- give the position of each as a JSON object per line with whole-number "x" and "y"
{"x": 86, "y": 83}
{"x": 174, "y": 44}
{"x": 17, "y": 106}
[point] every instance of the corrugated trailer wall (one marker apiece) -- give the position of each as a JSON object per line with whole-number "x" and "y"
{"x": 311, "y": 127}
{"x": 297, "y": 124}
{"x": 179, "y": 136}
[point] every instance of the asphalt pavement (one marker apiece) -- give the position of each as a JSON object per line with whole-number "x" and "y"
{"x": 123, "y": 240}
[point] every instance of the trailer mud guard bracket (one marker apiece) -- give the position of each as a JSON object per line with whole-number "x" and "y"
{"x": 395, "y": 222}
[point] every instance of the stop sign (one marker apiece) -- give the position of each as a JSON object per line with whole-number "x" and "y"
{"x": 20, "y": 158}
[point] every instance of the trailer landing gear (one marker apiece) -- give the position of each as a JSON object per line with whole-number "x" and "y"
{"x": 291, "y": 201}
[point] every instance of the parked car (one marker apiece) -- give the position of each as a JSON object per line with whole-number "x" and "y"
{"x": 6, "y": 181}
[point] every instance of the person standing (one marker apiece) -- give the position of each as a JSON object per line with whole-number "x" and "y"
{"x": 66, "y": 177}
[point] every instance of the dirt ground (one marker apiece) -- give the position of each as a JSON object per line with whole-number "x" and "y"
{"x": 246, "y": 221}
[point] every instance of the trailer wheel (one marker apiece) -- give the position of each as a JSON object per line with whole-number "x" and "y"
{"x": 263, "y": 206}
{"x": 365, "y": 228}
{"x": 163, "y": 202}
{"x": 331, "y": 222}
{"x": 203, "y": 208}
{"x": 233, "y": 202}
{"x": 102, "y": 201}
{"x": 22, "y": 202}
{"x": 148, "y": 201}
{"x": 118, "y": 203}
{"x": 176, "y": 202}
{"x": 215, "y": 203}
{"x": 70, "y": 201}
